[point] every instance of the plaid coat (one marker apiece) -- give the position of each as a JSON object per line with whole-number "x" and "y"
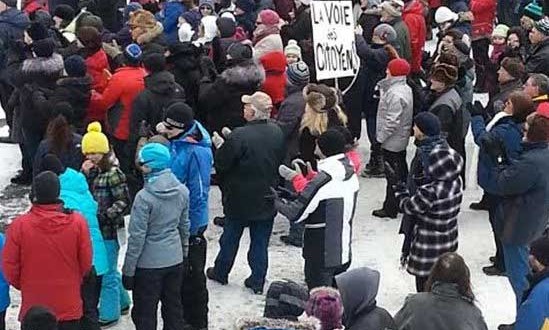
{"x": 110, "y": 190}
{"x": 434, "y": 207}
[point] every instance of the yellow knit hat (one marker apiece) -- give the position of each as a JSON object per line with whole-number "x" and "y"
{"x": 95, "y": 142}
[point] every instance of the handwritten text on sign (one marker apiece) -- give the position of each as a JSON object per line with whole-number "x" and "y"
{"x": 334, "y": 39}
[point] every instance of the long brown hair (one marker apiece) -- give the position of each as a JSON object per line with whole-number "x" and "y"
{"x": 59, "y": 135}
{"x": 451, "y": 268}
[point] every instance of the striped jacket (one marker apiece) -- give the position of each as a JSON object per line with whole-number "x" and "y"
{"x": 435, "y": 207}
{"x": 326, "y": 206}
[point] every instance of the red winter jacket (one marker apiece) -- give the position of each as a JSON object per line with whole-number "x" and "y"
{"x": 96, "y": 65}
{"x": 46, "y": 256}
{"x": 274, "y": 64}
{"x": 412, "y": 14}
{"x": 124, "y": 86}
{"x": 484, "y": 12}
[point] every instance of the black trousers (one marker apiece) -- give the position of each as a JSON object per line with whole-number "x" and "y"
{"x": 493, "y": 202}
{"x": 153, "y": 286}
{"x": 316, "y": 275}
{"x": 90, "y": 292}
{"x": 480, "y": 55}
{"x": 69, "y": 325}
{"x": 397, "y": 160}
{"x": 420, "y": 283}
{"x": 194, "y": 293}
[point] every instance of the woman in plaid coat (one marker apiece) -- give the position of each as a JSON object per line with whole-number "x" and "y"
{"x": 434, "y": 206}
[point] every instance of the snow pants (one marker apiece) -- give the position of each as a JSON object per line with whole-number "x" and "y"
{"x": 113, "y": 297}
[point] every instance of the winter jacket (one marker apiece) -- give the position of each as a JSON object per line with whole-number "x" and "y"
{"x": 4, "y": 285}
{"x": 538, "y": 60}
{"x": 159, "y": 224}
{"x": 289, "y": 117}
{"x": 441, "y": 309}
{"x": 484, "y": 12}
{"x": 506, "y": 130}
{"x": 77, "y": 92}
{"x": 76, "y": 195}
{"x": 497, "y": 102}
{"x": 524, "y": 184}
{"x": 13, "y": 24}
{"x": 268, "y": 44}
{"x": 534, "y": 310}
{"x": 301, "y": 30}
{"x": 185, "y": 60}
{"x": 247, "y": 167}
{"x": 110, "y": 190}
{"x": 96, "y": 65}
{"x": 395, "y": 113}
{"x": 71, "y": 157}
{"x": 274, "y": 85}
{"x": 412, "y": 15}
{"x": 170, "y": 18}
{"x": 448, "y": 107}
{"x": 124, "y": 86}
{"x": 220, "y": 102}
{"x": 358, "y": 289}
{"x": 326, "y": 207}
{"x": 402, "y": 42}
{"x": 48, "y": 232}
{"x": 192, "y": 163}
{"x": 435, "y": 207}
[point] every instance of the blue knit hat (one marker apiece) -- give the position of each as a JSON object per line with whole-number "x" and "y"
{"x": 133, "y": 53}
{"x": 75, "y": 66}
{"x": 298, "y": 74}
{"x": 155, "y": 156}
{"x": 428, "y": 123}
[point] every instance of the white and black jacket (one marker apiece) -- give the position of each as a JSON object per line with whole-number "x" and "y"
{"x": 326, "y": 206}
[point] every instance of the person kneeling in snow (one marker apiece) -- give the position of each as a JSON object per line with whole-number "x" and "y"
{"x": 326, "y": 206}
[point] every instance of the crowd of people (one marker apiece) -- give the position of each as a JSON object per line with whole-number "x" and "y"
{"x": 137, "y": 109}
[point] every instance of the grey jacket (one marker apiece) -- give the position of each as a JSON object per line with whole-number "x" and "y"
{"x": 441, "y": 309}
{"x": 159, "y": 224}
{"x": 394, "y": 114}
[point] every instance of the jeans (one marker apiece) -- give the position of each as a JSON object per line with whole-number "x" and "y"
{"x": 194, "y": 292}
{"x": 90, "y": 291}
{"x": 517, "y": 268}
{"x": 113, "y": 297}
{"x": 316, "y": 275}
{"x": 258, "y": 260}
{"x": 493, "y": 202}
{"x": 398, "y": 161}
{"x": 153, "y": 286}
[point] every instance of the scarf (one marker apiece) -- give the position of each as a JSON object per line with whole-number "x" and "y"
{"x": 263, "y": 31}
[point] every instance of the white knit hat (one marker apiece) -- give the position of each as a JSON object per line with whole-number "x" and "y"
{"x": 292, "y": 49}
{"x": 444, "y": 14}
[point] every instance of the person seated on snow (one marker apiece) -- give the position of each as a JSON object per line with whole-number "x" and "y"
{"x": 537, "y": 87}
{"x": 326, "y": 306}
{"x": 326, "y": 240}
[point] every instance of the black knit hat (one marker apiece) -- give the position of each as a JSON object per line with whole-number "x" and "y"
{"x": 37, "y": 31}
{"x": 226, "y": 27}
{"x": 331, "y": 142}
{"x": 179, "y": 115}
{"x": 285, "y": 300}
{"x": 239, "y": 52}
{"x": 428, "y": 123}
{"x": 43, "y": 47}
{"x": 64, "y": 12}
{"x": 52, "y": 163}
{"x": 75, "y": 66}
{"x": 540, "y": 250}
{"x": 38, "y": 317}
{"x": 46, "y": 188}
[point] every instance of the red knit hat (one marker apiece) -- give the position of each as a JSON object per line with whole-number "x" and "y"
{"x": 269, "y": 17}
{"x": 543, "y": 109}
{"x": 399, "y": 67}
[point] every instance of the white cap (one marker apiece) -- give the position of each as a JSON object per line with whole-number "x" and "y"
{"x": 444, "y": 14}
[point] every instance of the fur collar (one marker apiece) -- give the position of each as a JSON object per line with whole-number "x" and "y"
{"x": 246, "y": 74}
{"x": 149, "y": 35}
{"x": 43, "y": 65}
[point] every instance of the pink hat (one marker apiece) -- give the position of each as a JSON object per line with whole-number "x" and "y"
{"x": 269, "y": 17}
{"x": 325, "y": 304}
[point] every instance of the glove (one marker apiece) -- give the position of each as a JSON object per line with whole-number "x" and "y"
{"x": 144, "y": 129}
{"x": 217, "y": 140}
{"x": 287, "y": 173}
{"x": 475, "y": 109}
{"x": 128, "y": 282}
{"x": 225, "y": 131}
{"x": 495, "y": 148}
{"x": 112, "y": 49}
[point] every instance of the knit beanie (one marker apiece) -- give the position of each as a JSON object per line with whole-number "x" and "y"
{"x": 325, "y": 304}
{"x": 428, "y": 123}
{"x": 445, "y": 73}
{"x": 155, "y": 156}
{"x": 143, "y": 19}
{"x": 179, "y": 115}
{"x": 95, "y": 142}
{"x": 239, "y": 52}
{"x": 445, "y": 14}
{"x": 90, "y": 38}
{"x": 385, "y": 32}
{"x": 540, "y": 250}
{"x": 320, "y": 97}
{"x": 331, "y": 142}
{"x": 43, "y": 17}
{"x": 533, "y": 10}
{"x": 298, "y": 74}
{"x": 500, "y": 31}
{"x": 92, "y": 21}
{"x": 38, "y": 317}
{"x": 285, "y": 300}
{"x": 43, "y": 47}
{"x": 133, "y": 53}
{"x": 268, "y": 17}
{"x": 514, "y": 67}
{"x": 543, "y": 26}
{"x": 75, "y": 66}
{"x": 208, "y": 3}
{"x": 292, "y": 49}
{"x": 247, "y": 6}
{"x": 52, "y": 163}
{"x": 64, "y": 12}
{"x": 46, "y": 188}
{"x": 226, "y": 27}
{"x": 392, "y": 8}
{"x": 37, "y": 31}
{"x": 399, "y": 67}
{"x": 130, "y": 8}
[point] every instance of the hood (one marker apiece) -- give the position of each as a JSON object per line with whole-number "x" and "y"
{"x": 336, "y": 166}
{"x": 74, "y": 182}
{"x": 196, "y": 135}
{"x": 163, "y": 185}
{"x": 358, "y": 288}
{"x": 162, "y": 82}
{"x": 274, "y": 62}
{"x": 247, "y": 74}
{"x": 445, "y": 163}
{"x": 16, "y": 18}
{"x": 50, "y": 66}
{"x": 49, "y": 218}
{"x": 413, "y": 8}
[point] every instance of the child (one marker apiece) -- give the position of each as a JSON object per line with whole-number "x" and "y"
{"x": 499, "y": 42}
{"x": 4, "y": 289}
{"x": 292, "y": 52}
{"x": 109, "y": 188}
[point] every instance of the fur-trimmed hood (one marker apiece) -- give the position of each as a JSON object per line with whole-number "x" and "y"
{"x": 247, "y": 74}
{"x": 144, "y": 36}
{"x": 265, "y": 323}
{"x": 47, "y": 66}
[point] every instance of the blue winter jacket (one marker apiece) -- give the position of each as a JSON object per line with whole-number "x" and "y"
{"x": 524, "y": 185}
{"x": 4, "y": 286}
{"x": 509, "y": 132}
{"x": 192, "y": 162}
{"x": 76, "y": 195}
{"x": 169, "y": 17}
{"x": 535, "y": 309}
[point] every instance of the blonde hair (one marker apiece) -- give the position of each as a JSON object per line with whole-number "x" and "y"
{"x": 317, "y": 122}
